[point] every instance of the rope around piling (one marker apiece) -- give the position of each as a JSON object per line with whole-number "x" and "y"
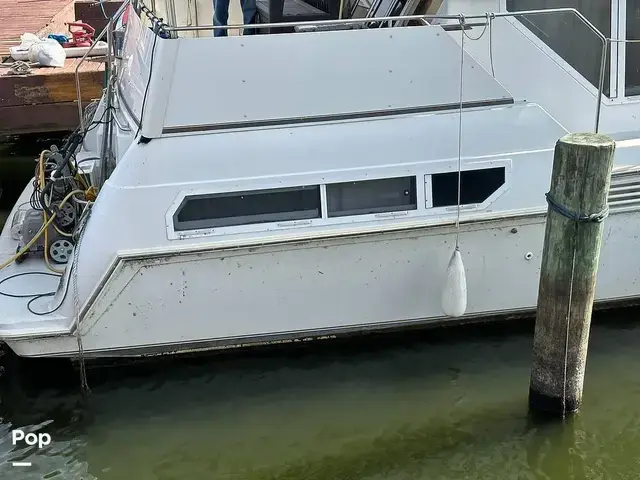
{"x": 576, "y": 217}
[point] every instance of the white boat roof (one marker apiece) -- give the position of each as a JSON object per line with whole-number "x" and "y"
{"x": 196, "y": 84}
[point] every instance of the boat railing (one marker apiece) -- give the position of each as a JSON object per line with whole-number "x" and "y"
{"x": 167, "y": 30}
{"x": 107, "y": 32}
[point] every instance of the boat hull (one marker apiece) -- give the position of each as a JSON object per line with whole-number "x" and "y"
{"x": 169, "y": 303}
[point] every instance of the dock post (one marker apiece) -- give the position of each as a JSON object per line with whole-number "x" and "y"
{"x": 577, "y": 202}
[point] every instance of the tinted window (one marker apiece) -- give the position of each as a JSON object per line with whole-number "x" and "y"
{"x": 371, "y": 196}
{"x": 243, "y": 208}
{"x": 568, "y": 36}
{"x": 475, "y": 186}
{"x": 632, "y": 62}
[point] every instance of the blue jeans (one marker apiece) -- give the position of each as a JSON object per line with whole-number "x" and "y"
{"x": 221, "y": 16}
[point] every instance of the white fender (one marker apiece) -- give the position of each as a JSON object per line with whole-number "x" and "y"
{"x": 454, "y": 293}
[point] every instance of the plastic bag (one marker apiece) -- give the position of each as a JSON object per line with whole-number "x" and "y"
{"x": 47, "y": 52}
{"x": 28, "y": 39}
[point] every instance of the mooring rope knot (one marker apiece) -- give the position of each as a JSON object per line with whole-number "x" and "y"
{"x": 576, "y": 217}
{"x": 20, "y": 68}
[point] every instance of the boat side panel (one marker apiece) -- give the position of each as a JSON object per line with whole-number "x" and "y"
{"x": 337, "y": 283}
{"x": 333, "y": 286}
{"x": 324, "y": 284}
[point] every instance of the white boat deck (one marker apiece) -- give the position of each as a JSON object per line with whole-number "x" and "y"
{"x": 29, "y": 279}
{"x": 16, "y": 319}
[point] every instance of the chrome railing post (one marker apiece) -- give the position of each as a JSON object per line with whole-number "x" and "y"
{"x": 109, "y": 48}
{"x": 77, "y": 75}
{"x": 107, "y": 30}
{"x": 603, "y": 63}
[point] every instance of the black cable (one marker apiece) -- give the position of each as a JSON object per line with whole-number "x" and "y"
{"x": 88, "y": 159}
{"x": 36, "y": 296}
{"x": 146, "y": 89}
{"x": 68, "y": 149}
{"x": 72, "y": 140}
{"x": 48, "y": 186}
{"x": 36, "y": 200}
{"x": 93, "y": 125}
{"x": 51, "y": 294}
{"x": 26, "y": 295}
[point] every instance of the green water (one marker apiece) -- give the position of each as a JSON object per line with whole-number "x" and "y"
{"x": 439, "y": 405}
{"x": 445, "y": 404}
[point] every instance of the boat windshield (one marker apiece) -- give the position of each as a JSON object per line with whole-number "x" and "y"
{"x": 579, "y": 47}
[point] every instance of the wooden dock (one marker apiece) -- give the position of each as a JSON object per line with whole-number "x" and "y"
{"x": 45, "y": 99}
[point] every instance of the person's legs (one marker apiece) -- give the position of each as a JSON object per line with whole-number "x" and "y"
{"x": 249, "y": 10}
{"x": 220, "y": 16}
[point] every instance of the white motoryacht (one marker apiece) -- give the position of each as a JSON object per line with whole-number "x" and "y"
{"x": 303, "y": 182}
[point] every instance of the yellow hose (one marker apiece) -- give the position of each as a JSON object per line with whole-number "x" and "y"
{"x": 24, "y": 249}
{"x": 44, "y": 217}
{"x": 45, "y": 220}
{"x": 42, "y": 230}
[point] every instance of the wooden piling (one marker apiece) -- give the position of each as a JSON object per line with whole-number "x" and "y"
{"x": 577, "y": 201}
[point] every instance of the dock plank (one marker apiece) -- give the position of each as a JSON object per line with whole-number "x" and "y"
{"x": 44, "y": 100}
{"x": 51, "y": 85}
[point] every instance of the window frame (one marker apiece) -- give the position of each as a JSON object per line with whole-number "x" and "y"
{"x": 170, "y": 217}
{"x": 621, "y": 31}
{"x": 383, "y": 210}
{"x": 424, "y": 209}
{"x": 355, "y": 175}
{"x": 474, "y": 207}
{"x": 614, "y": 59}
{"x": 619, "y": 55}
{"x": 617, "y": 60}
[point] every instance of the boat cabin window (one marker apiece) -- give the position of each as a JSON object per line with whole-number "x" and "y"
{"x": 371, "y": 196}
{"x": 475, "y": 186}
{"x": 632, "y": 59}
{"x": 249, "y": 207}
{"x": 568, "y": 36}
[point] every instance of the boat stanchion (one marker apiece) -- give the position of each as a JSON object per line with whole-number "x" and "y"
{"x": 577, "y": 202}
